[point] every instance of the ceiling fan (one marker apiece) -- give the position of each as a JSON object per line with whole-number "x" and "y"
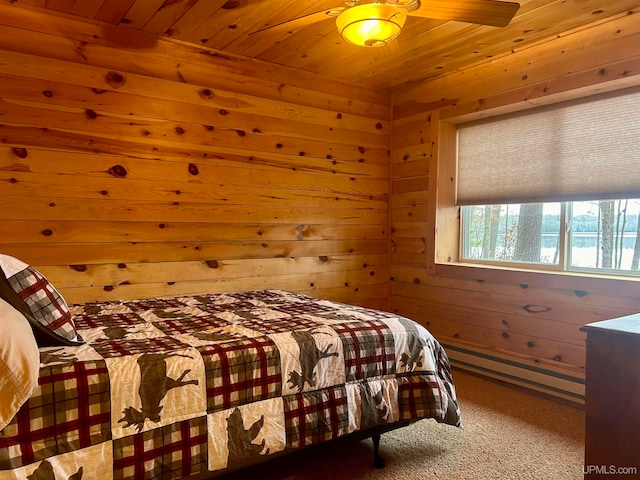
{"x": 375, "y": 23}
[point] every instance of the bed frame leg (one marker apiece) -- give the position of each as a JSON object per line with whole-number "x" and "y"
{"x": 378, "y": 462}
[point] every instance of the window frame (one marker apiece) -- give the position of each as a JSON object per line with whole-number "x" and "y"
{"x": 443, "y": 253}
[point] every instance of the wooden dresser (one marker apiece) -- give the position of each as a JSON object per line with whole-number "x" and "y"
{"x": 612, "y": 399}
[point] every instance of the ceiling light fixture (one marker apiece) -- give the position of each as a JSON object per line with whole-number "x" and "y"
{"x": 371, "y": 24}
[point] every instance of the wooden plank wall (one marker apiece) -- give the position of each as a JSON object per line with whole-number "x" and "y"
{"x": 133, "y": 166}
{"x": 531, "y": 319}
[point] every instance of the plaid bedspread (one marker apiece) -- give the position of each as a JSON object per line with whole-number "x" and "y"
{"x": 171, "y": 387}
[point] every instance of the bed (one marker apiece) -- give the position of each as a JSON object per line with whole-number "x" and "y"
{"x": 204, "y": 384}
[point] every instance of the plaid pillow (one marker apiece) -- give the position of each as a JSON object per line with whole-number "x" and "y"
{"x": 49, "y": 313}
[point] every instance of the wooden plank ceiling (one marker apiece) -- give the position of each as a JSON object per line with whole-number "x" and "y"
{"x": 425, "y": 49}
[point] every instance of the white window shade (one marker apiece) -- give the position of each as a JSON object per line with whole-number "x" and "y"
{"x": 579, "y": 150}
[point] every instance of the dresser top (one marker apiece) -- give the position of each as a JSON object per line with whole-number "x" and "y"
{"x": 629, "y": 324}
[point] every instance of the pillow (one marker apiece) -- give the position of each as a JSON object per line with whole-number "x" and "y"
{"x": 29, "y": 292}
{"x": 19, "y": 362}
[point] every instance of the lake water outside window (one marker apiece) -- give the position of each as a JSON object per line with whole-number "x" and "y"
{"x": 598, "y": 236}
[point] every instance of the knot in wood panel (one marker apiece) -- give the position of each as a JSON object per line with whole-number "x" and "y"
{"x": 304, "y": 231}
{"x": 536, "y": 308}
{"x": 206, "y": 94}
{"x": 118, "y": 171}
{"x": 115, "y": 79}
{"x": 19, "y": 152}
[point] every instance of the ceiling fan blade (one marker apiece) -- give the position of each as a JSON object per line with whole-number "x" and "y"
{"x": 301, "y": 22}
{"x": 483, "y": 12}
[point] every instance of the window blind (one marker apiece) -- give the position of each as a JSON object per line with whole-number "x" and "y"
{"x": 585, "y": 149}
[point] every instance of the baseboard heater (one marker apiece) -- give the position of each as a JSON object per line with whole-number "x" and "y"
{"x": 562, "y": 385}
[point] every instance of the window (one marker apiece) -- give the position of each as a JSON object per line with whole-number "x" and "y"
{"x": 554, "y": 187}
{"x": 591, "y": 236}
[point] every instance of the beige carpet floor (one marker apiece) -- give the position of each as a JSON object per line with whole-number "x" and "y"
{"x": 508, "y": 433}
